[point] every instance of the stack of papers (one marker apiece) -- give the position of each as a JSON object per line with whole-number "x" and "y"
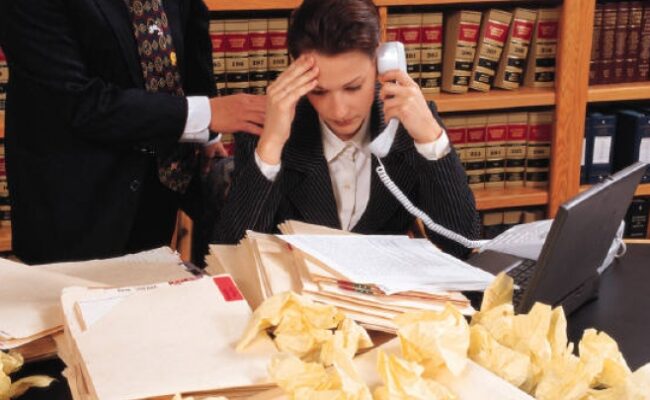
{"x": 371, "y": 278}
{"x": 29, "y": 295}
{"x": 161, "y": 339}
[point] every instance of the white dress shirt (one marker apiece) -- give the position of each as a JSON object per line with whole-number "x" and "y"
{"x": 350, "y": 167}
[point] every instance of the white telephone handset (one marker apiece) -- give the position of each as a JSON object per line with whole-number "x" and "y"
{"x": 391, "y": 56}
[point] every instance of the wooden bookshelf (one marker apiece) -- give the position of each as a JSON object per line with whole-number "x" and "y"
{"x": 5, "y": 239}
{"x": 245, "y": 5}
{"x": 643, "y": 190}
{"x": 488, "y": 199}
{"x": 2, "y": 127}
{"x": 619, "y": 92}
{"x": 494, "y": 99}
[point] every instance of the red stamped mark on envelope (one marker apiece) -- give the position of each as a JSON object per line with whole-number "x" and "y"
{"x": 228, "y": 289}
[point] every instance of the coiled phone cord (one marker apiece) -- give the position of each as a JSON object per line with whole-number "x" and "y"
{"x": 416, "y": 212}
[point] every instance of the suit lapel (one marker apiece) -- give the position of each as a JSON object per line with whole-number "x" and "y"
{"x": 119, "y": 19}
{"x": 307, "y": 174}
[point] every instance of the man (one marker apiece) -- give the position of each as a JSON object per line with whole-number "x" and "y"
{"x": 106, "y": 111}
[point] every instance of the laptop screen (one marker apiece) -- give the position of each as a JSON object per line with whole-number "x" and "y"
{"x": 580, "y": 237}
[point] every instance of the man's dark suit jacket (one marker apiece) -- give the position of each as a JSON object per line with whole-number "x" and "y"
{"x": 78, "y": 115}
{"x": 303, "y": 189}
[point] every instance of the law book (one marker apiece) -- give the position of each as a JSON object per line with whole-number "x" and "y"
{"x": 460, "y": 40}
{"x": 392, "y": 28}
{"x": 538, "y": 151}
{"x": 540, "y": 66}
{"x": 511, "y": 218}
{"x": 633, "y": 42}
{"x": 607, "y": 44}
{"x": 516, "y": 149}
{"x": 4, "y": 68}
{"x": 602, "y": 133}
{"x": 237, "y": 62}
{"x": 644, "y": 50}
{"x": 496, "y": 134}
{"x": 278, "y": 59}
{"x": 431, "y": 66}
{"x": 587, "y": 151}
{"x": 636, "y": 219}
{"x": 218, "y": 38}
{"x": 596, "y": 46}
{"x": 632, "y": 141}
{"x": 410, "y": 32}
{"x": 258, "y": 55}
{"x": 456, "y": 128}
{"x": 492, "y": 38}
{"x": 620, "y": 40}
{"x": 492, "y": 224}
{"x": 475, "y": 152}
{"x": 510, "y": 71}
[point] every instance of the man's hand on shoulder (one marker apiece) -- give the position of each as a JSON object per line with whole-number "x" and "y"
{"x": 238, "y": 113}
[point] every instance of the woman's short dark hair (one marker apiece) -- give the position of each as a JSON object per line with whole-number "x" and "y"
{"x": 333, "y": 27}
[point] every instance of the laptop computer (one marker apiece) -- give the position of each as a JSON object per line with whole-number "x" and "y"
{"x": 576, "y": 245}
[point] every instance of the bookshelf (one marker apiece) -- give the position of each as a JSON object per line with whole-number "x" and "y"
{"x": 488, "y": 199}
{"x": 619, "y": 92}
{"x": 5, "y": 239}
{"x": 643, "y": 190}
{"x": 494, "y": 99}
{"x": 244, "y": 5}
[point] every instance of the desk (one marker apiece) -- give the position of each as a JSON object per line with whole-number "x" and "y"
{"x": 622, "y": 310}
{"x": 623, "y": 306}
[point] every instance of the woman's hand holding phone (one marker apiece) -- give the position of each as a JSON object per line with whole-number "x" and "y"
{"x": 281, "y": 99}
{"x": 404, "y": 100}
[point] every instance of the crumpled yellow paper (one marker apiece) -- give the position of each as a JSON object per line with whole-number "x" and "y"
{"x": 10, "y": 363}
{"x": 348, "y": 338}
{"x": 309, "y": 380}
{"x": 532, "y": 351}
{"x": 301, "y": 326}
{"x": 486, "y": 351}
{"x": 403, "y": 381}
{"x": 636, "y": 386}
{"x": 434, "y": 339}
{"x": 600, "y": 354}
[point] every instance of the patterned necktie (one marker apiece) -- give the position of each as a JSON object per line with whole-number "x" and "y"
{"x": 160, "y": 72}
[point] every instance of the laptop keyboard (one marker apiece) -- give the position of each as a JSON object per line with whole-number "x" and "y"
{"x": 521, "y": 274}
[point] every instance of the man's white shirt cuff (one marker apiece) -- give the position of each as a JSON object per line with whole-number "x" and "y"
{"x": 435, "y": 150}
{"x": 198, "y": 120}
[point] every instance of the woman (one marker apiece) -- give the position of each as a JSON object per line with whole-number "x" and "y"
{"x": 312, "y": 162}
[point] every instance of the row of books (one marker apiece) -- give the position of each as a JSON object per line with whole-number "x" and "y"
{"x": 247, "y": 54}
{"x": 495, "y": 222}
{"x": 615, "y": 138}
{"x": 620, "y": 49}
{"x": 636, "y": 219}
{"x": 478, "y": 50}
{"x": 503, "y": 150}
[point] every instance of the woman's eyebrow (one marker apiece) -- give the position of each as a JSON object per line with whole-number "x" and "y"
{"x": 354, "y": 81}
